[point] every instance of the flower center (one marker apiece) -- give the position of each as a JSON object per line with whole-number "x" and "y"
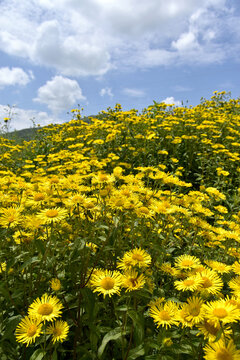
{"x": 51, "y": 213}
{"x": 194, "y": 311}
{"x": 137, "y": 257}
{"x": 187, "y": 263}
{"x": 220, "y": 313}
{"x": 45, "y": 309}
{"x": 57, "y": 331}
{"x": 107, "y": 283}
{"x": 38, "y": 197}
{"x": 206, "y": 282}
{"x": 188, "y": 282}
{"x": 211, "y": 328}
{"x": 133, "y": 282}
{"x": 32, "y": 330}
{"x": 164, "y": 315}
{"x": 223, "y": 354}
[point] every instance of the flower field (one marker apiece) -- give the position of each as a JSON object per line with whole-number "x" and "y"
{"x": 120, "y": 237}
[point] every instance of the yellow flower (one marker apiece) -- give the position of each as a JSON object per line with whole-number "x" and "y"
{"x": 106, "y": 282}
{"x": 211, "y": 283}
{"x": 187, "y": 262}
{"x": 59, "y": 330}
{"x": 221, "y": 350}
{"x": 28, "y": 329}
{"x": 10, "y": 217}
{"x": 52, "y": 215}
{"x": 46, "y": 309}
{"x": 136, "y": 257}
{"x": 221, "y": 310}
{"x": 133, "y": 281}
{"x": 191, "y": 283}
{"x": 220, "y": 267}
{"x": 3, "y": 267}
{"x": 193, "y": 310}
{"x": 164, "y": 314}
{"x": 55, "y": 284}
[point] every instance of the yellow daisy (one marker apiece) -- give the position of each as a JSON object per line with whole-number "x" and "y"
{"x": 187, "y": 262}
{"x": 211, "y": 283}
{"x": 193, "y": 309}
{"x": 191, "y": 283}
{"x": 164, "y": 314}
{"x": 106, "y": 282}
{"x": 59, "y": 330}
{"x": 219, "y": 267}
{"x": 55, "y": 284}
{"x": 210, "y": 330}
{"x": 52, "y": 215}
{"x": 132, "y": 281}
{"x": 221, "y": 351}
{"x": 236, "y": 268}
{"x": 10, "y": 217}
{"x": 136, "y": 257}
{"x": 234, "y": 284}
{"x": 28, "y": 330}
{"x": 219, "y": 310}
{"x": 46, "y": 309}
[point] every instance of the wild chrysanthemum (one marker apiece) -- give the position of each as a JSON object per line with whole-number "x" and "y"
{"x": 47, "y": 308}
{"x": 211, "y": 283}
{"x": 28, "y": 330}
{"x": 219, "y": 310}
{"x": 52, "y": 215}
{"x": 236, "y": 268}
{"x": 132, "y": 281}
{"x": 191, "y": 283}
{"x": 219, "y": 267}
{"x": 55, "y": 284}
{"x": 187, "y": 262}
{"x": 10, "y": 217}
{"x": 221, "y": 350}
{"x": 193, "y": 309}
{"x": 106, "y": 282}
{"x": 234, "y": 284}
{"x": 59, "y": 330}
{"x": 164, "y": 314}
{"x": 136, "y": 257}
{"x": 210, "y": 330}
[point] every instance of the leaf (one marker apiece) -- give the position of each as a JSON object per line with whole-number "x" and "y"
{"x": 136, "y": 352}
{"x": 28, "y": 262}
{"x": 38, "y": 355}
{"x": 40, "y": 246}
{"x": 111, "y": 335}
{"x": 138, "y": 322}
{"x": 11, "y": 325}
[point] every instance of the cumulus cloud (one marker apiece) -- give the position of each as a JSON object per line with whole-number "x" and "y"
{"x": 137, "y": 93}
{"x": 106, "y": 91}
{"x": 14, "y": 76}
{"x": 91, "y": 37}
{"x": 170, "y": 100}
{"x": 23, "y": 119}
{"x": 60, "y": 93}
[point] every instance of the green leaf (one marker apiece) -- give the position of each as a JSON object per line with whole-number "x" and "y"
{"x": 38, "y": 355}
{"x": 136, "y": 352}
{"x": 40, "y": 246}
{"x": 54, "y": 355}
{"x": 111, "y": 335}
{"x": 32, "y": 260}
{"x": 138, "y": 322}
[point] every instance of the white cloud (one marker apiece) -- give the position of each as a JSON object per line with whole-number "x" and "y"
{"x": 23, "y": 119}
{"x": 106, "y": 91}
{"x": 60, "y": 93}
{"x": 134, "y": 92}
{"x": 90, "y": 37}
{"x": 170, "y": 100}
{"x": 14, "y": 76}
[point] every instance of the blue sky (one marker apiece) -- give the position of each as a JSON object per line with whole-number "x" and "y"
{"x": 56, "y": 54}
